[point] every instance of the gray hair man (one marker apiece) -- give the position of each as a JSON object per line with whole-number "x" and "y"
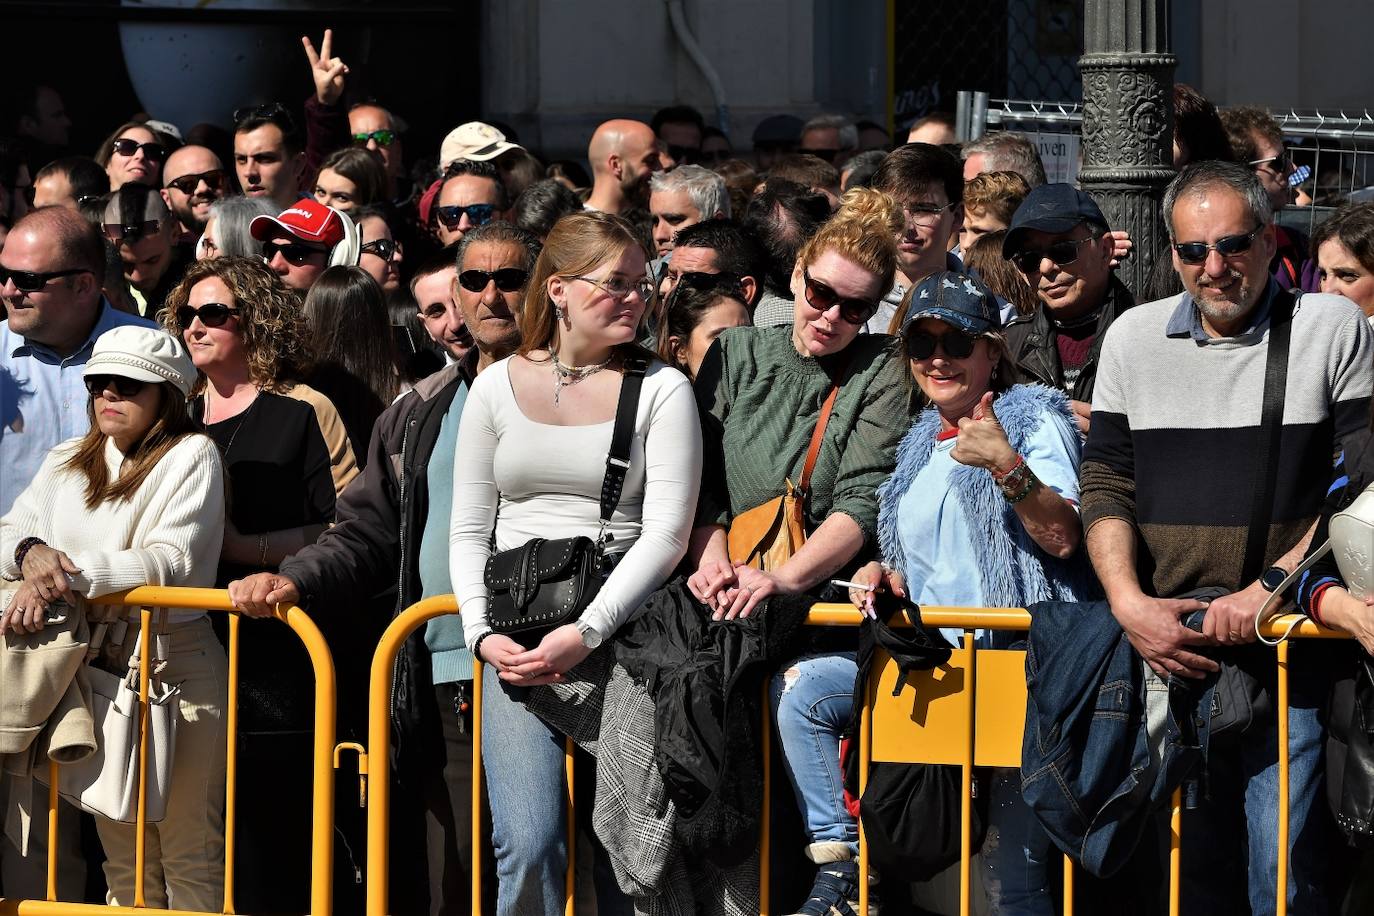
{"x": 684, "y": 197}
{"x": 831, "y": 137}
{"x": 1004, "y": 152}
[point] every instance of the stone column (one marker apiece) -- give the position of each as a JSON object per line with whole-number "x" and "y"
{"x": 1128, "y": 121}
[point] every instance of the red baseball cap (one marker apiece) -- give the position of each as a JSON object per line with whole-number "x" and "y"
{"x": 306, "y": 219}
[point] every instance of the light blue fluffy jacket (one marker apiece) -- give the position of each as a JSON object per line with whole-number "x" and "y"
{"x": 1013, "y": 570}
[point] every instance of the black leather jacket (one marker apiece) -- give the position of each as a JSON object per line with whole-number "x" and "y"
{"x": 1031, "y": 340}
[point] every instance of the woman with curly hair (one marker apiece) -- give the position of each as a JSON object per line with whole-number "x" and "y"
{"x": 286, "y": 456}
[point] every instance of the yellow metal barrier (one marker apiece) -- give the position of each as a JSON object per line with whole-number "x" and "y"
{"x": 941, "y": 707}
{"x": 322, "y": 831}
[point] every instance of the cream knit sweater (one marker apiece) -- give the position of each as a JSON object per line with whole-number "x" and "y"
{"x": 168, "y": 533}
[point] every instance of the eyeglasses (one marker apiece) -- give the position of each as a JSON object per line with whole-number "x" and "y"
{"x": 211, "y": 314}
{"x": 1227, "y": 246}
{"x": 153, "y": 152}
{"x": 29, "y": 281}
{"x": 131, "y": 232}
{"x": 187, "y": 184}
{"x": 1281, "y": 164}
{"x": 955, "y": 344}
{"x": 124, "y": 387}
{"x": 295, "y": 253}
{"x": 619, "y": 289}
{"x": 382, "y": 248}
{"x": 1061, "y": 253}
{"x": 478, "y": 214}
{"x": 383, "y": 137}
{"x": 822, "y": 297}
{"x": 924, "y": 215}
{"x": 272, "y": 111}
{"x": 508, "y": 279}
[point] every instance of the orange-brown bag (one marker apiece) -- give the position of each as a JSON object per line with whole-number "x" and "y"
{"x": 766, "y": 536}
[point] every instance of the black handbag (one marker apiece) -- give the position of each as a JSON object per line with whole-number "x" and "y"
{"x": 544, "y": 584}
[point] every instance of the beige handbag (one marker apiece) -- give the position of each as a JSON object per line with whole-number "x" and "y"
{"x": 106, "y": 783}
{"x": 766, "y": 536}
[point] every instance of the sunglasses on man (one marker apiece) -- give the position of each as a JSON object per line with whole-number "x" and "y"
{"x": 29, "y": 281}
{"x": 1061, "y": 253}
{"x": 124, "y": 387}
{"x": 295, "y": 253}
{"x": 822, "y": 297}
{"x": 211, "y": 314}
{"x": 382, "y": 248}
{"x": 478, "y": 215}
{"x": 153, "y": 152}
{"x": 131, "y": 232}
{"x": 1226, "y": 246}
{"x": 507, "y": 279}
{"x": 954, "y": 343}
{"x": 187, "y": 184}
{"x": 723, "y": 283}
{"x": 1281, "y": 164}
{"x": 383, "y": 137}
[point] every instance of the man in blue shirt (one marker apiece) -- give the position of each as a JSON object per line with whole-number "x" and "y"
{"x": 51, "y": 271}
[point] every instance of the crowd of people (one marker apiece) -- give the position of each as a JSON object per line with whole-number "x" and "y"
{"x": 312, "y": 366}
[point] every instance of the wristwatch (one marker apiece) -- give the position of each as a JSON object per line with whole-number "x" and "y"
{"x": 590, "y": 638}
{"x": 1272, "y": 578}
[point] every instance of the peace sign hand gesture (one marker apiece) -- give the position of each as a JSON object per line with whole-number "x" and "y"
{"x": 982, "y": 441}
{"x": 327, "y": 71}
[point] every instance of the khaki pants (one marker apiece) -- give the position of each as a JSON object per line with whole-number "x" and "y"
{"x": 185, "y": 851}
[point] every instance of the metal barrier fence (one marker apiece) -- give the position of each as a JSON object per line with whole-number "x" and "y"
{"x": 1337, "y": 146}
{"x": 962, "y": 731}
{"x": 322, "y": 828}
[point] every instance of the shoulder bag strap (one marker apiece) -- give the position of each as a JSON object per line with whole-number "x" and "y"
{"x": 1270, "y": 435}
{"x": 618, "y": 460}
{"x": 813, "y": 451}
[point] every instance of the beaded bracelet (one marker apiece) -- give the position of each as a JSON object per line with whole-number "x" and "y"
{"x": 22, "y": 549}
{"x": 1026, "y": 487}
{"x": 477, "y": 645}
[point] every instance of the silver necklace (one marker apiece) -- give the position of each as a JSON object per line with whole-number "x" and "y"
{"x": 245, "y": 414}
{"x": 571, "y": 375}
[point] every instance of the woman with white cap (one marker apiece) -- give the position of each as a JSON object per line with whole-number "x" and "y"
{"x": 139, "y": 500}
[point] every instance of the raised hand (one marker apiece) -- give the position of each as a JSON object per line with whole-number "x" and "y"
{"x": 982, "y": 441}
{"x": 327, "y": 71}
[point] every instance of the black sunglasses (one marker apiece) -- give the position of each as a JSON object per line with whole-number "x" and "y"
{"x": 478, "y": 214}
{"x": 295, "y": 253}
{"x": 153, "y": 152}
{"x": 508, "y": 279}
{"x": 124, "y": 387}
{"x": 29, "y": 281}
{"x": 186, "y": 184}
{"x": 211, "y": 314}
{"x": 1060, "y": 253}
{"x": 823, "y": 298}
{"x": 724, "y": 283}
{"x": 382, "y": 248}
{"x": 1196, "y": 252}
{"x": 119, "y": 232}
{"x": 955, "y": 343}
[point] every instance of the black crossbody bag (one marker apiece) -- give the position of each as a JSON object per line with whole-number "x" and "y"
{"x": 545, "y": 584}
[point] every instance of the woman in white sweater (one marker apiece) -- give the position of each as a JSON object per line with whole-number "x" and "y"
{"x": 139, "y": 500}
{"x": 531, "y": 458}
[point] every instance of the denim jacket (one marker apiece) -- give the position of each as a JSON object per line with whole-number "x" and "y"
{"x": 1089, "y": 768}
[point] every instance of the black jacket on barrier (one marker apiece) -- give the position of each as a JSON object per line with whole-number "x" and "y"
{"x": 374, "y": 544}
{"x": 705, "y": 677}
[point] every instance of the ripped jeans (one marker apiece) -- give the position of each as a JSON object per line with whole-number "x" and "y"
{"x": 811, "y": 700}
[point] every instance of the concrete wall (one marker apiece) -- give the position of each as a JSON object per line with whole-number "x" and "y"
{"x": 556, "y": 68}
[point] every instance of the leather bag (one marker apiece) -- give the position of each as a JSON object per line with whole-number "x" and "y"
{"x": 766, "y": 536}
{"x": 544, "y": 584}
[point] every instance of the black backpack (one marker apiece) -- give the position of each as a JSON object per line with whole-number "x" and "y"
{"x": 910, "y": 812}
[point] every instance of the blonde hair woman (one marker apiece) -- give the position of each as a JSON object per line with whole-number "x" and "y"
{"x": 532, "y": 449}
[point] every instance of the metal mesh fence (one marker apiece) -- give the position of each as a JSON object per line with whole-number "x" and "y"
{"x": 1008, "y": 48}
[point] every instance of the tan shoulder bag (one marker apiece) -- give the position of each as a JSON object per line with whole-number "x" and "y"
{"x": 766, "y": 536}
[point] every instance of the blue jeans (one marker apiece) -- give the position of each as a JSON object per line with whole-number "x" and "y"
{"x": 522, "y": 759}
{"x": 811, "y": 700}
{"x": 1243, "y": 777}
{"x": 1017, "y": 853}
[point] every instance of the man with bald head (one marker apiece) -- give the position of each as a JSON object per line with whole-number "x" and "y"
{"x": 373, "y": 128}
{"x": 623, "y": 154}
{"x": 192, "y": 179}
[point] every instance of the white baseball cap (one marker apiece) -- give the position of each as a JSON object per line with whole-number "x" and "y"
{"x": 474, "y": 140}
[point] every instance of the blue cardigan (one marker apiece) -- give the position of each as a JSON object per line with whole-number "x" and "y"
{"x": 1014, "y": 571}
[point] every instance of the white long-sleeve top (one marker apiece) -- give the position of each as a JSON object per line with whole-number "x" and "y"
{"x": 524, "y": 480}
{"x": 168, "y": 533}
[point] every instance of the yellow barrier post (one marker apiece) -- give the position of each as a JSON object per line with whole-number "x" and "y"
{"x": 1175, "y": 850}
{"x": 141, "y": 819}
{"x": 231, "y": 764}
{"x": 966, "y": 783}
{"x": 570, "y": 881}
{"x": 1068, "y": 886}
{"x": 1281, "y": 884}
{"x": 865, "y": 761}
{"x": 476, "y": 786}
